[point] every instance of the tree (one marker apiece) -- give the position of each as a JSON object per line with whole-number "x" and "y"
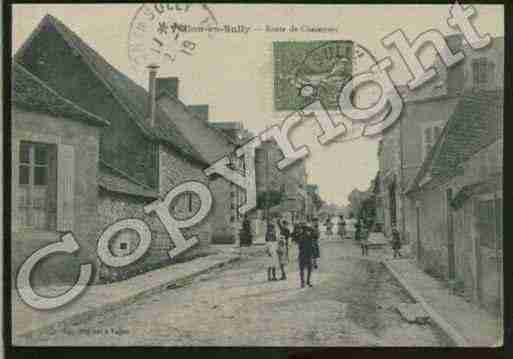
{"x": 268, "y": 199}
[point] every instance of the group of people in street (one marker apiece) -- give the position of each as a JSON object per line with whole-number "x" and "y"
{"x": 305, "y": 234}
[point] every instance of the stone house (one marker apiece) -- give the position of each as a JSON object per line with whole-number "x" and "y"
{"x": 291, "y": 181}
{"x": 404, "y": 145}
{"x": 142, "y": 152}
{"x": 55, "y": 151}
{"x": 212, "y": 144}
{"x": 457, "y": 231}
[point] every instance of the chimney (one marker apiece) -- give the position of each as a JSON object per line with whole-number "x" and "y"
{"x": 200, "y": 111}
{"x": 152, "y": 87}
{"x": 168, "y": 84}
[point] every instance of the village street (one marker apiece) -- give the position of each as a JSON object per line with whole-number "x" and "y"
{"x": 351, "y": 304}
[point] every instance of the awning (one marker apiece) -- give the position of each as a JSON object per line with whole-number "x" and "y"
{"x": 473, "y": 189}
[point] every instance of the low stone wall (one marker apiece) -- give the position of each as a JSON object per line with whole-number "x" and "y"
{"x": 115, "y": 207}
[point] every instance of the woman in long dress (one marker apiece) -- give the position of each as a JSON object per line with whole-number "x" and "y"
{"x": 273, "y": 261}
{"x": 341, "y": 230}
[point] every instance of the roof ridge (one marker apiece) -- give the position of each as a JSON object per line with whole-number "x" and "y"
{"x": 18, "y": 66}
{"x": 75, "y": 42}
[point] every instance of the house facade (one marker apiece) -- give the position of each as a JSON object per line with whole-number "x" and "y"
{"x": 55, "y": 151}
{"x": 405, "y": 145}
{"x": 457, "y": 197}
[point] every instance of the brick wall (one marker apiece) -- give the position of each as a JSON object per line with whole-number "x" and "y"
{"x": 29, "y": 126}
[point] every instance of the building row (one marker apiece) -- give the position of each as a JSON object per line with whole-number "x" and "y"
{"x": 440, "y": 173}
{"x": 91, "y": 147}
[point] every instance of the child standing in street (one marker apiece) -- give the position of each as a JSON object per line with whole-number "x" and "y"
{"x": 273, "y": 262}
{"x": 282, "y": 256}
{"x": 396, "y": 242}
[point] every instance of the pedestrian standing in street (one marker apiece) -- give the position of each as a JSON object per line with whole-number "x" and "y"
{"x": 304, "y": 243}
{"x": 273, "y": 261}
{"x": 341, "y": 227}
{"x": 350, "y": 226}
{"x": 286, "y": 233}
{"x": 396, "y": 242}
{"x": 358, "y": 229}
{"x": 270, "y": 233}
{"x": 315, "y": 234}
{"x": 364, "y": 242}
{"x": 282, "y": 257}
{"x": 329, "y": 227}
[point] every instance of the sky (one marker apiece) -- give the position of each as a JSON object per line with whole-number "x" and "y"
{"x": 232, "y": 72}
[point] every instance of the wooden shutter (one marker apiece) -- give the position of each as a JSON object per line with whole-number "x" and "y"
{"x": 65, "y": 187}
{"x": 15, "y": 223}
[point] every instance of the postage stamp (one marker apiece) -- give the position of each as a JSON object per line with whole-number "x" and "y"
{"x": 254, "y": 175}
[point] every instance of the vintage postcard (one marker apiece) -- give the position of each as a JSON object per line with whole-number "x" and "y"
{"x": 299, "y": 175}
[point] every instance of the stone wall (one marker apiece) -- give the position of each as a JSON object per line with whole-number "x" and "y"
{"x": 34, "y": 127}
{"x": 114, "y": 207}
{"x": 175, "y": 170}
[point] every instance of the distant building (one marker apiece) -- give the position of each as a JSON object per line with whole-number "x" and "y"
{"x": 291, "y": 181}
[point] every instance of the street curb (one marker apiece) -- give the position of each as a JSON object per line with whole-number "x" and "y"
{"x": 92, "y": 312}
{"x": 456, "y": 338}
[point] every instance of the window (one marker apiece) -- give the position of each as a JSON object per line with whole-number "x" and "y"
{"x": 37, "y": 190}
{"x": 483, "y": 72}
{"x": 431, "y": 132}
{"x": 490, "y": 223}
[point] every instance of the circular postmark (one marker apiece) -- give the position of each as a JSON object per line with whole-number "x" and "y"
{"x": 163, "y": 33}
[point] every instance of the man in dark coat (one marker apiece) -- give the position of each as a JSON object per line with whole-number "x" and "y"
{"x": 315, "y": 235}
{"x": 303, "y": 239}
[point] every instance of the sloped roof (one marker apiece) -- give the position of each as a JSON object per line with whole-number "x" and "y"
{"x": 32, "y": 94}
{"x": 186, "y": 121}
{"x": 130, "y": 95}
{"x": 113, "y": 180}
{"x": 475, "y": 123}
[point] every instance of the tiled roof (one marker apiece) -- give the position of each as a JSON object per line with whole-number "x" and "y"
{"x": 188, "y": 123}
{"x": 114, "y": 180}
{"x": 32, "y": 94}
{"x": 475, "y": 123}
{"x": 130, "y": 95}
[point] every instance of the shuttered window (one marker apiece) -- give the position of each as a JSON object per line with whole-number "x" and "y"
{"x": 65, "y": 188}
